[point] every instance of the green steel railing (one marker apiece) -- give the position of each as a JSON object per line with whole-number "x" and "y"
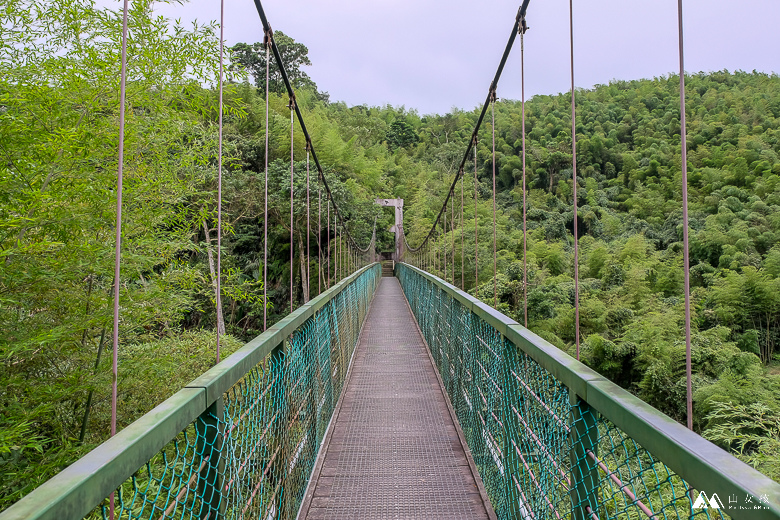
{"x": 238, "y": 442}
{"x": 552, "y": 439}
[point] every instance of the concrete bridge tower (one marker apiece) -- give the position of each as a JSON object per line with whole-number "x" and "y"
{"x": 398, "y": 227}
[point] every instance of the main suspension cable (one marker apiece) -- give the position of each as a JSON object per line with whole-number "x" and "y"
{"x": 519, "y": 20}
{"x": 301, "y": 122}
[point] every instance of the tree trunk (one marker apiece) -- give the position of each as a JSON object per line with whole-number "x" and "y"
{"x": 212, "y": 269}
{"x": 88, "y": 404}
{"x": 304, "y": 270}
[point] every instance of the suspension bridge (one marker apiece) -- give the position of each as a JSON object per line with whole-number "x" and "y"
{"x": 396, "y": 394}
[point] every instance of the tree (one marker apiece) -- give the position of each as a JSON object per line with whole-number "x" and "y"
{"x": 59, "y": 64}
{"x": 401, "y": 135}
{"x": 750, "y": 301}
{"x": 251, "y": 57}
{"x": 553, "y": 163}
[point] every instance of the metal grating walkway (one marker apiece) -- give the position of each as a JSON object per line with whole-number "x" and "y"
{"x": 394, "y": 451}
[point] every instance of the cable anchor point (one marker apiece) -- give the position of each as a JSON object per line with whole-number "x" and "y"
{"x": 522, "y": 26}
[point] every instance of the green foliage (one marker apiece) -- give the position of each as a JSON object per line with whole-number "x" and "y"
{"x": 246, "y": 58}
{"x": 150, "y": 372}
{"x": 58, "y": 137}
{"x": 629, "y": 188}
{"x": 401, "y": 135}
{"x": 614, "y": 361}
{"x": 58, "y": 108}
{"x": 750, "y": 300}
{"x": 748, "y": 342}
{"x": 751, "y": 431}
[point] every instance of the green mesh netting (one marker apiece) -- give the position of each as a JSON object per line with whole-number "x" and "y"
{"x": 539, "y": 455}
{"x": 251, "y": 453}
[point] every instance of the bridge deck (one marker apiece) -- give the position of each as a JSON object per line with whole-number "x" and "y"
{"x": 393, "y": 450}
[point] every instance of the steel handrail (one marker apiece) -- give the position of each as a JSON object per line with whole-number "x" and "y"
{"x": 79, "y": 488}
{"x": 703, "y": 465}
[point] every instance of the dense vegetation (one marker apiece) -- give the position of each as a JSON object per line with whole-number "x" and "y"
{"x": 59, "y": 66}
{"x": 629, "y": 195}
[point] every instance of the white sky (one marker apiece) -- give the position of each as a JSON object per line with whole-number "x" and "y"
{"x": 433, "y": 55}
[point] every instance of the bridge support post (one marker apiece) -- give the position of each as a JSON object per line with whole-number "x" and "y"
{"x": 398, "y": 227}
{"x": 209, "y": 444}
{"x": 584, "y": 444}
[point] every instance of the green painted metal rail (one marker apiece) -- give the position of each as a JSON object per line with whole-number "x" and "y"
{"x": 238, "y": 442}
{"x": 552, "y": 439}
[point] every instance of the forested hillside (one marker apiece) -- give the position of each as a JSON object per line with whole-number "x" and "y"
{"x": 59, "y": 65}
{"x": 629, "y": 191}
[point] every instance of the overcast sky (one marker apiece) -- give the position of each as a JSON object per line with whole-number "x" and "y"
{"x": 432, "y": 55}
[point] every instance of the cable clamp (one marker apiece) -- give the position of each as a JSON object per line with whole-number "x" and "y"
{"x": 522, "y": 26}
{"x": 493, "y": 91}
{"x": 268, "y": 38}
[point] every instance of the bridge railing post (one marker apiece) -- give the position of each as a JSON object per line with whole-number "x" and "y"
{"x": 209, "y": 446}
{"x": 584, "y": 470}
